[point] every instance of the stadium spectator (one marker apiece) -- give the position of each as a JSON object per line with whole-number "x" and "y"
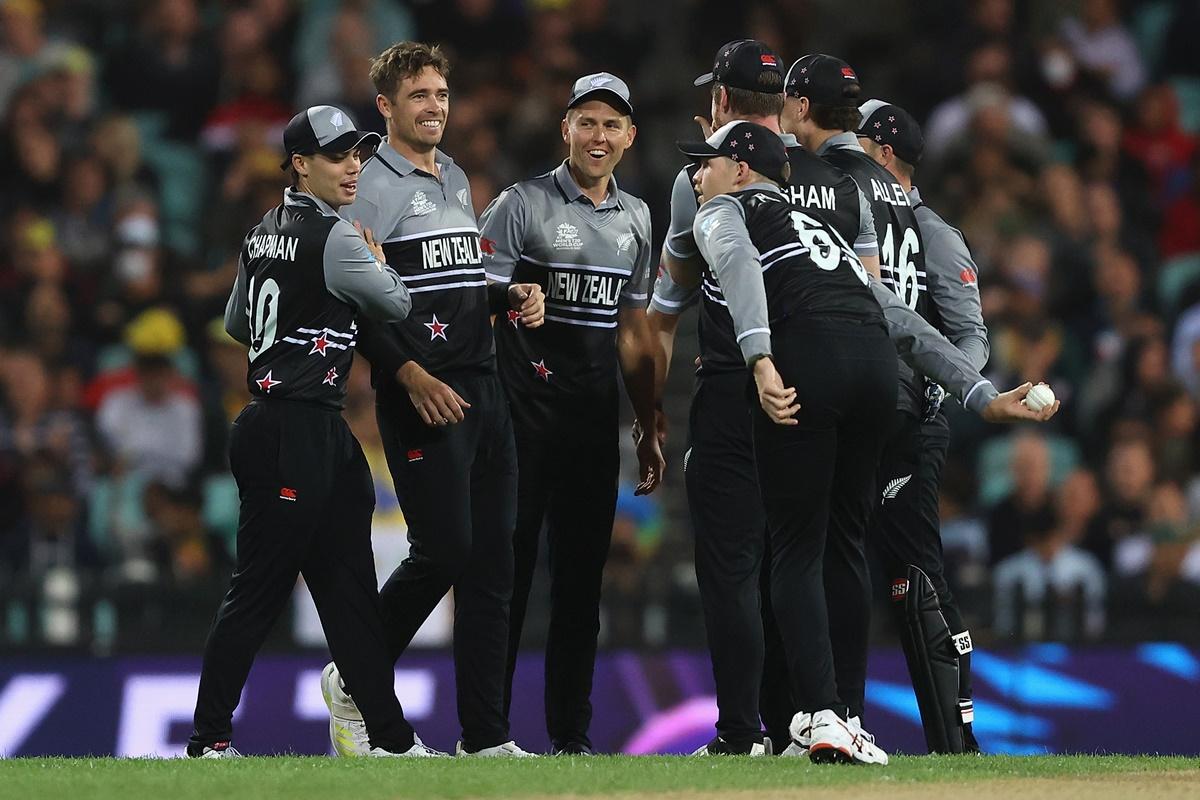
{"x": 1051, "y": 588}
{"x": 152, "y": 427}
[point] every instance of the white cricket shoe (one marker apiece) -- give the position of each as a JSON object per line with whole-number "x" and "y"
{"x": 347, "y": 731}
{"x": 871, "y": 753}
{"x": 506, "y": 750}
{"x": 418, "y": 750}
{"x": 835, "y": 741}
{"x": 220, "y": 752}
{"x": 801, "y": 733}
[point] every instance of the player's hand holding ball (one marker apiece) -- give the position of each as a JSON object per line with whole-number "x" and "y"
{"x": 1026, "y": 403}
{"x": 1040, "y": 396}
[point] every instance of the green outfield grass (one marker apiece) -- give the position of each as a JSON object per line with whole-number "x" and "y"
{"x": 295, "y": 778}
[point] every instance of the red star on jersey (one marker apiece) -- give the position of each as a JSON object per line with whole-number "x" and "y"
{"x": 319, "y": 345}
{"x": 330, "y": 377}
{"x": 513, "y": 316}
{"x": 267, "y": 382}
{"x": 437, "y": 330}
{"x": 540, "y": 368}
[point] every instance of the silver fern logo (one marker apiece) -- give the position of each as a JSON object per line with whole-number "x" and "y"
{"x": 624, "y": 240}
{"x": 894, "y": 486}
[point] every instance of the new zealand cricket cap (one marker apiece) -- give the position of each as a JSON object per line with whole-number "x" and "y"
{"x": 323, "y": 129}
{"x": 602, "y": 86}
{"x": 741, "y": 64}
{"x": 884, "y": 123}
{"x": 759, "y": 147}
{"x": 825, "y": 80}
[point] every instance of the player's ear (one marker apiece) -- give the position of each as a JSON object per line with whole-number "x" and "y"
{"x": 887, "y": 154}
{"x": 384, "y": 106}
{"x": 566, "y": 127}
{"x": 299, "y": 165}
{"x": 743, "y": 172}
{"x": 630, "y": 134}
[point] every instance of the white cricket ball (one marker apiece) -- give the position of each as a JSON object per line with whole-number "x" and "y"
{"x": 1039, "y": 397}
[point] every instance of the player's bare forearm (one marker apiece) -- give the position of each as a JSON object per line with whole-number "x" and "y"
{"x": 636, "y": 351}
{"x": 662, "y": 337}
{"x": 684, "y": 271}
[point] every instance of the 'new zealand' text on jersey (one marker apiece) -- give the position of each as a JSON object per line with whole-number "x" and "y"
{"x": 901, "y": 251}
{"x": 302, "y": 337}
{"x": 590, "y": 260}
{"x": 427, "y": 226}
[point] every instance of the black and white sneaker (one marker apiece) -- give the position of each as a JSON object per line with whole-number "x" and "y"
{"x": 214, "y": 750}
{"x": 571, "y": 749}
{"x": 719, "y": 747}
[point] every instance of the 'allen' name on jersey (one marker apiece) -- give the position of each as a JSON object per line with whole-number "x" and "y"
{"x": 893, "y": 194}
{"x": 453, "y": 250}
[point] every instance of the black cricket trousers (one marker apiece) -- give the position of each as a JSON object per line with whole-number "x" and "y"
{"x": 818, "y": 486}
{"x": 457, "y": 487}
{"x": 306, "y": 504}
{"x": 729, "y": 525}
{"x": 568, "y": 468}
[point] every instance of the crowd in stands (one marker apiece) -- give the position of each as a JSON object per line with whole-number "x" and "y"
{"x": 142, "y": 140}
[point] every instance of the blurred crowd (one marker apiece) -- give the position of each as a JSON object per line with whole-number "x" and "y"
{"x": 142, "y": 140}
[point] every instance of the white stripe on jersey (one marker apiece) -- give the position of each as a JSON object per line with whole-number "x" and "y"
{"x": 458, "y": 285}
{"x": 327, "y": 332}
{"x": 708, "y": 293}
{"x": 584, "y": 322}
{"x": 435, "y": 275}
{"x": 788, "y": 246}
{"x": 430, "y": 234}
{"x": 564, "y": 307}
{"x": 579, "y": 267}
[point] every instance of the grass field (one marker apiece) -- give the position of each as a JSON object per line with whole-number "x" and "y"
{"x": 629, "y": 778}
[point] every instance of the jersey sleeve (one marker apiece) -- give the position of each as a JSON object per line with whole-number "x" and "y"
{"x": 867, "y": 242}
{"x": 681, "y": 242}
{"x": 237, "y": 309}
{"x": 637, "y": 291}
{"x": 953, "y": 281}
{"x": 671, "y": 298}
{"x": 502, "y": 234}
{"x": 724, "y": 242}
{"x": 372, "y": 215}
{"x": 926, "y": 350}
{"x": 354, "y": 276}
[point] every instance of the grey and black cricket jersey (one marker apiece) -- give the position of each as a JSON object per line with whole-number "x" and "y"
{"x": 953, "y": 281}
{"x": 917, "y": 342}
{"x": 815, "y": 188}
{"x": 590, "y": 260}
{"x": 304, "y": 275}
{"x": 775, "y": 270}
{"x": 427, "y": 226}
{"x": 901, "y": 251}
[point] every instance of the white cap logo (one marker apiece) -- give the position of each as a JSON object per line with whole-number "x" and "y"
{"x": 600, "y": 80}
{"x": 337, "y": 120}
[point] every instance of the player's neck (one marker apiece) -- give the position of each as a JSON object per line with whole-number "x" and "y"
{"x": 594, "y": 189}
{"x": 816, "y": 137}
{"x": 903, "y": 180}
{"x": 423, "y": 159}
